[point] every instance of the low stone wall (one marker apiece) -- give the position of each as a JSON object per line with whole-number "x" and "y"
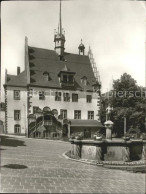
{"x": 109, "y": 150}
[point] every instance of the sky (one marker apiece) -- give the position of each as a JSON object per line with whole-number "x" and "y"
{"x": 114, "y": 29}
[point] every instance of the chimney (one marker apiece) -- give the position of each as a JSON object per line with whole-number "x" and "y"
{"x": 18, "y": 70}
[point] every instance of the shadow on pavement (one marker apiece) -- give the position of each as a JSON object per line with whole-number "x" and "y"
{"x": 139, "y": 170}
{"x": 9, "y": 141}
{"x": 14, "y": 166}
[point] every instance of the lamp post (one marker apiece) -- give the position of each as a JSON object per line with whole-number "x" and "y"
{"x": 124, "y": 125}
{"x": 25, "y": 120}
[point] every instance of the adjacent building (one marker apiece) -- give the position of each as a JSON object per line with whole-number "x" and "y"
{"x": 58, "y": 93}
{"x": 2, "y": 117}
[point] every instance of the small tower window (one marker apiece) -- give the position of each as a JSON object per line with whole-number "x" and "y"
{"x": 81, "y": 48}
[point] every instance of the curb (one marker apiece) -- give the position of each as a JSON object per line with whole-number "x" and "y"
{"x": 76, "y": 160}
{"x": 119, "y": 166}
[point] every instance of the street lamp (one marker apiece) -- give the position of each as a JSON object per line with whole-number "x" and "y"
{"x": 25, "y": 119}
{"x": 124, "y": 125}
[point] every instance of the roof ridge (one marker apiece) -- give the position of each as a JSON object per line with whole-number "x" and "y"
{"x": 55, "y": 51}
{"x": 41, "y": 48}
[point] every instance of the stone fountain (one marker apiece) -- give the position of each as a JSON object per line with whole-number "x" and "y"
{"x": 109, "y": 149}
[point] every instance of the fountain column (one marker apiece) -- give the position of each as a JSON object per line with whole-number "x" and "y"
{"x": 72, "y": 148}
{"x": 77, "y": 150}
{"x": 109, "y": 126}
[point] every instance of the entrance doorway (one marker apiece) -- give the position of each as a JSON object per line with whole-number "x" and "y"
{"x": 65, "y": 130}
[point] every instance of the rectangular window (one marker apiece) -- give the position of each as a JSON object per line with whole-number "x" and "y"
{"x": 57, "y": 96}
{"x": 70, "y": 79}
{"x": 31, "y": 92}
{"x": 74, "y": 97}
{"x": 77, "y": 114}
{"x": 91, "y": 115}
{"x": 17, "y": 129}
{"x": 41, "y": 95}
{"x": 63, "y": 113}
{"x": 48, "y": 122}
{"x": 89, "y": 98}
{"x": 65, "y": 78}
{"x": 16, "y": 94}
{"x": 35, "y": 108}
{"x": 66, "y": 97}
{"x": 17, "y": 115}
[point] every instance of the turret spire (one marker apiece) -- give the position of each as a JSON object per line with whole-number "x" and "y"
{"x": 59, "y": 38}
{"x": 60, "y": 21}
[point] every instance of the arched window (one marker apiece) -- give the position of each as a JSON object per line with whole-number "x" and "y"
{"x": 17, "y": 129}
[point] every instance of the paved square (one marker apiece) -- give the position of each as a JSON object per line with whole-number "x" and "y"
{"x": 43, "y": 169}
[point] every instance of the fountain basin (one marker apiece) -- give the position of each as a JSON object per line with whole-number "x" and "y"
{"x": 109, "y": 150}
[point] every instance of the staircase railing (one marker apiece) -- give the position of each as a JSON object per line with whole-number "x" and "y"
{"x": 35, "y": 127}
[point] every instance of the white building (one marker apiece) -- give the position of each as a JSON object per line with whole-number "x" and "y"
{"x": 2, "y": 117}
{"x": 57, "y": 94}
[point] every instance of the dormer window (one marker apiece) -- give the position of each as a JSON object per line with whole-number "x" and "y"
{"x": 66, "y": 77}
{"x": 84, "y": 81}
{"x": 46, "y": 76}
{"x": 70, "y": 79}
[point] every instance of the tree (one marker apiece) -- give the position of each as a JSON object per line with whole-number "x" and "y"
{"x": 128, "y": 100}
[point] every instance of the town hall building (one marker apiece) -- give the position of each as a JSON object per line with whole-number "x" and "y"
{"x": 57, "y": 95}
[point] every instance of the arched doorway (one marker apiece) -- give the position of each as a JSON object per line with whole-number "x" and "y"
{"x": 48, "y": 120}
{"x": 65, "y": 130}
{"x": 36, "y": 134}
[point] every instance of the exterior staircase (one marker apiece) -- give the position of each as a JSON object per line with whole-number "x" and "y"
{"x": 34, "y": 127}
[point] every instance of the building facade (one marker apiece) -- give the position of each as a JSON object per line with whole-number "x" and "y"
{"x": 58, "y": 93}
{"x": 2, "y": 117}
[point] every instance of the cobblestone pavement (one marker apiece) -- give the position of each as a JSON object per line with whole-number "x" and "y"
{"x": 49, "y": 172}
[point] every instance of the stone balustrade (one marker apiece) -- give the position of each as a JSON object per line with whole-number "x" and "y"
{"x": 109, "y": 150}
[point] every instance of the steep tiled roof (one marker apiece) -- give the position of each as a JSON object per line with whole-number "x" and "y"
{"x": 16, "y": 80}
{"x": 42, "y": 60}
